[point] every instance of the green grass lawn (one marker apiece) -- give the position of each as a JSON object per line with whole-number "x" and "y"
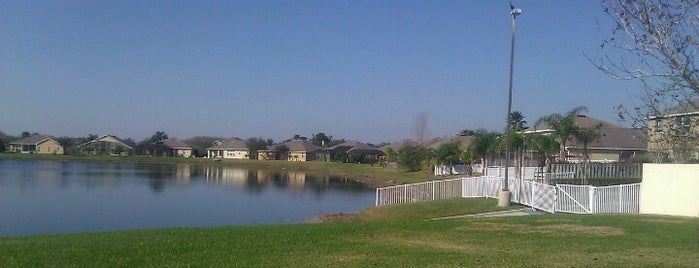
{"x": 558, "y": 240}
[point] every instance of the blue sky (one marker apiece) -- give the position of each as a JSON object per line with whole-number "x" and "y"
{"x": 359, "y": 70}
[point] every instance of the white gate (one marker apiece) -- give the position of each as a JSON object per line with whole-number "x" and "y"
{"x": 543, "y": 197}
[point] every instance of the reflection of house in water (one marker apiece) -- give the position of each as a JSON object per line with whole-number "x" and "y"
{"x": 264, "y": 176}
{"x": 226, "y": 175}
{"x": 296, "y": 178}
{"x": 184, "y": 172}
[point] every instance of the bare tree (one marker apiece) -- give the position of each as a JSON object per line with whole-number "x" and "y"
{"x": 653, "y": 42}
{"x": 420, "y": 130}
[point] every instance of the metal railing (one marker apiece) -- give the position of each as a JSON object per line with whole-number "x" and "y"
{"x": 580, "y": 199}
{"x": 600, "y": 170}
{"x": 416, "y": 192}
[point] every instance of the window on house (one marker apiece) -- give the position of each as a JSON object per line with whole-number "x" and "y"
{"x": 658, "y": 125}
{"x": 683, "y": 122}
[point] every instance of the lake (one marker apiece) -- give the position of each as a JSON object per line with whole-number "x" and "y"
{"x": 51, "y": 197}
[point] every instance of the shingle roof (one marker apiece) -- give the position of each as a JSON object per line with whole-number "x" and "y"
{"x": 33, "y": 140}
{"x": 617, "y": 138}
{"x": 463, "y": 141}
{"x": 231, "y": 144}
{"x": 682, "y": 109}
{"x": 580, "y": 120}
{"x": 355, "y": 146}
{"x": 176, "y": 144}
{"x": 301, "y": 146}
{"x": 396, "y": 146}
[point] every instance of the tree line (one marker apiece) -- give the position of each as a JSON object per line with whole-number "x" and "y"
{"x": 485, "y": 145}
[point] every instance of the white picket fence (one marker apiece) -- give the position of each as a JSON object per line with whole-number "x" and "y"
{"x": 580, "y": 199}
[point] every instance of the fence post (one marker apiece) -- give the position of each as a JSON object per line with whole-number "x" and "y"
{"x": 377, "y": 197}
{"x": 592, "y": 199}
{"x": 621, "y": 192}
{"x": 433, "y": 191}
{"x": 405, "y": 193}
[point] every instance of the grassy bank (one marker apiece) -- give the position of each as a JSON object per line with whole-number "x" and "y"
{"x": 374, "y": 176}
{"x": 542, "y": 240}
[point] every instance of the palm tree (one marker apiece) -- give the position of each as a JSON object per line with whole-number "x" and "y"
{"x": 563, "y": 126}
{"x": 516, "y": 143}
{"x": 586, "y": 135}
{"x": 481, "y": 146}
{"x": 546, "y": 146}
{"x": 517, "y": 121}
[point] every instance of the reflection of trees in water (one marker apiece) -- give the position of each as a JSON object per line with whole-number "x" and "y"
{"x": 254, "y": 184}
{"x": 157, "y": 185}
{"x": 158, "y": 177}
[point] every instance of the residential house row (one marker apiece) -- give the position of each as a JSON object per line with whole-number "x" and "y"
{"x": 233, "y": 148}
{"x": 614, "y": 144}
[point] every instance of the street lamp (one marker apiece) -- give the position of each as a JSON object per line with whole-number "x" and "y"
{"x": 505, "y": 194}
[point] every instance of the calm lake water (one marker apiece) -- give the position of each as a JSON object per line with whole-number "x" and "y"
{"x": 49, "y": 197}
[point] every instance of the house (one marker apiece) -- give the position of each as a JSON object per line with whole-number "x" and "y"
{"x": 615, "y": 143}
{"x": 107, "y": 144}
{"x": 298, "y": 151}
{"x": 269, "y": 154}
{"x": 396, "y": 146}
{"x": 233, "y": 148}
{"x": 351, "y": 151}
{"x": 675, "y": 133}
{"x": 40, "y": 144}
{"x": 177, "y": 148}
{"x": 462, "y": 140}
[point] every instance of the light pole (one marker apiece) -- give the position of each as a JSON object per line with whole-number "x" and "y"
{"x": 505, "y": 194}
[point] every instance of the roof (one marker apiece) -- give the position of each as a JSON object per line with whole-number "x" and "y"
{"x": 108, "y": 138}
{"x": 682, "y": 109}
{"x": 354, "y": 146}
{"x": 33, "y": 140}
{"x": 396, "y": 146}
{"x": 176, "y": 144}
{"x": 463, "y": 141}
{"x": 230, "y": 144}
{"x": 617, "y": 138}
{"x": 580, "y": 120}
{"x": 301, "y": 146}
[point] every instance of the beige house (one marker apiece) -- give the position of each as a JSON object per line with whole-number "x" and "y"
{"x": 269, "y": 154}
{"x": 674, "y": 135}
{"x": 614, "y": 144}
{"x": 233, "y": 148}
{"x": 107, "y": 144}
{"x": 299, "y": 151}
{"x": 40, "y": 144}
{"x": 177, "y": 148}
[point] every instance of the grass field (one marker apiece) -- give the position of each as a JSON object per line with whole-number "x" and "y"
{"x": 392, "y": 241}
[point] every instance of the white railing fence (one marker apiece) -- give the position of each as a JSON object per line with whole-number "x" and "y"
{"x": 601, "y": 170}
{"x": 416, "y": 192}
{"x": 582, "y": 199}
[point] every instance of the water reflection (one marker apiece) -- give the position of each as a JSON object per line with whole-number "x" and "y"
{"x": 50, "y": 196}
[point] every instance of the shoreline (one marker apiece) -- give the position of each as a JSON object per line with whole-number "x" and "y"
{"x": 316, "y": 166}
